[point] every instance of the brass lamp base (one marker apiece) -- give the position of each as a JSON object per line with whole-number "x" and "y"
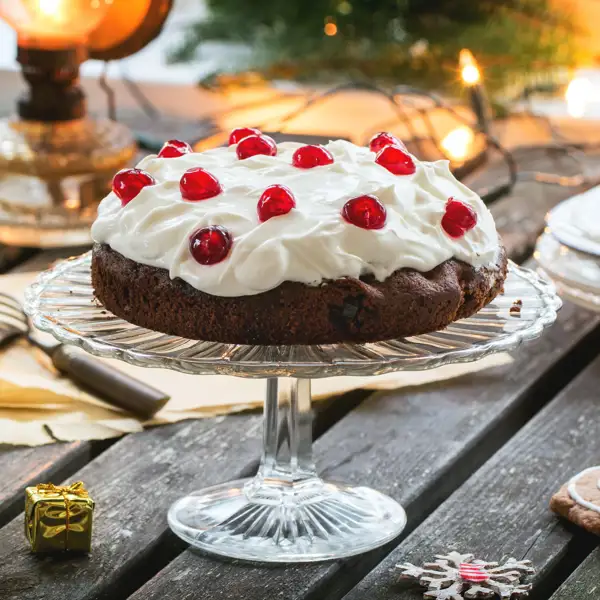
{"x": 53, "y": 175}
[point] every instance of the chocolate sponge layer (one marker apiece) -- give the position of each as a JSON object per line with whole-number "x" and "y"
{"x": 407, "y": 303}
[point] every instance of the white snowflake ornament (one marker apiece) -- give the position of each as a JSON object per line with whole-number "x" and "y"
{"x": 459, "y": 577}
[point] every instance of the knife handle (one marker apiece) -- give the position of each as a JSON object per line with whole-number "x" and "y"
{"x": 108, "y": 383}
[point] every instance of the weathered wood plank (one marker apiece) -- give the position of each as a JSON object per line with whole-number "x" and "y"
{"x": 20, "y": 467}
{"x": 502, "y": 510}
{"x": 133, "y": 483}
{"x": 11, "y": 256}
{"x": 417, "y": 446}
{"x": 584, "y": 583}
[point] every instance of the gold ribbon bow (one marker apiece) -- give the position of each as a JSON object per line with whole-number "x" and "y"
{"x": 75, "y": 489}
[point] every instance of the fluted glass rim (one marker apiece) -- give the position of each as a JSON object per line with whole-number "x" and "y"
{"x": 61, "y": 302}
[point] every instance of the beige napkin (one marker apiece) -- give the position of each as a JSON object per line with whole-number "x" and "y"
{"x": 37, "y": 406}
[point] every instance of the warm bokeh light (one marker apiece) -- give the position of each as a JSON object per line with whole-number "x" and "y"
{"x": 50, "y": 8}
{"x": 458, "y": 143}
{"x": 578, "y": 95}
{"x": 52, "y": 23}
{"x": 469, "y": 71}
{"x": 344, "y": 7}
{"x": 330, "y": 29}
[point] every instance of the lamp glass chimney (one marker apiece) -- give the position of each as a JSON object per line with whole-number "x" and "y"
{"x": 53, "y": 24}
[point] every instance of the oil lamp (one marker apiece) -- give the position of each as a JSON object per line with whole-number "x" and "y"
{"x": 55, "y": 161}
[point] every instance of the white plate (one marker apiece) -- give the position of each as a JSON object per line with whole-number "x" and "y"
{"x": 576, "y": 222}
{"x": 576, "y": 274}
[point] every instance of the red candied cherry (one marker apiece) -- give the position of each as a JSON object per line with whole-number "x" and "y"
{"x": 365, "y": 211}
{"x": 382, "y": 139}
{"x": 198, "y": 184}
{"x": 276, "y": 200}
{"x": 458, "y": 218}
{"x": 256, "y": 144}
{"x": 174, "y": 148}
{"x": 311, "y": 156}
{"x": 128, "y": 183}
{"x": 210, "y": 245}
{"x": 395, "y": 160}
{"x": 240, "y": 133}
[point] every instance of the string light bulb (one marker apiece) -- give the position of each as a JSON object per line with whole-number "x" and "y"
{"x": 469, "y": 70}
{"x": 472, "y": 80}
{"x": 330, "y": 28}
{"x": 344, "y": 7}
{"x": 458, "y": 143}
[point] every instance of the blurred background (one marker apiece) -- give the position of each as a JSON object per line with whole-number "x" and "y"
{"x": 398, "y": 41}
{"x": 87, "y": 86}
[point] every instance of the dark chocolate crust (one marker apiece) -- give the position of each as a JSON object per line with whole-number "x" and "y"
{"x": 407, "y": 303}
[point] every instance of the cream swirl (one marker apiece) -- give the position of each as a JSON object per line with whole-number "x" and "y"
{"x": 312, "y": 243}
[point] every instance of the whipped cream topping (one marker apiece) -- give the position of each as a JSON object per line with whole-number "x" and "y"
{"x": 312, "y": 243}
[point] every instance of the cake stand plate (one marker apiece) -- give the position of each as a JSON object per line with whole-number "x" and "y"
{"x": 287, "y": 513}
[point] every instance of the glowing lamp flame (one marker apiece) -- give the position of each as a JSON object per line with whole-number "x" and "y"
{"x": 469, "y": 71}
{"x": 51, "y": 24}
{"x": 577, "y": 96}
{"x": 49, "y": 8}
{"x": 458, "y": 143}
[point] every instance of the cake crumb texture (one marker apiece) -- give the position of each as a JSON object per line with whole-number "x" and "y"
{"x": 407, "y": 303}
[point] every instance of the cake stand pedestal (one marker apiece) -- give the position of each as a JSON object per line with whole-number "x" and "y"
{"x": 287, "y": 513}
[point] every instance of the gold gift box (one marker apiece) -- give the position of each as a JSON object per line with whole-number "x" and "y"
{"x": 58, "y": 518}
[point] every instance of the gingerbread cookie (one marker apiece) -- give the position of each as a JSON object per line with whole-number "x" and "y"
{"x": 579, "y": 500}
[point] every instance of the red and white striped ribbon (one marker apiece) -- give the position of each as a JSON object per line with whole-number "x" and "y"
{"x": 472, "y": 573}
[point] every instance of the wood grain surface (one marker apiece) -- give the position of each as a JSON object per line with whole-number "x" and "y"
{"x": 502, "y": 510}
{"x": 20, "y": 467}
{"x": 584, "y": 583}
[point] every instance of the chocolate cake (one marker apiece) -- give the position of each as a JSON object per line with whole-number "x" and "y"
{"x": 264, "y": 244}
{"x": 346, "y": 310}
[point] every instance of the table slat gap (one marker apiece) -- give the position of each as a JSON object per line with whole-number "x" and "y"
{"x": 584, "y": 582}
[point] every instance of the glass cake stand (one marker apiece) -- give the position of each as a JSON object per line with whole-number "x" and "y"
{"x": 287, "y": 513}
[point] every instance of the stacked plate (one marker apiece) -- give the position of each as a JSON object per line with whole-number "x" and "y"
{"x": 568, "y": 252}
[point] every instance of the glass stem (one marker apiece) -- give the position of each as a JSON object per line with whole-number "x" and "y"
{"x": 287, "y": 438}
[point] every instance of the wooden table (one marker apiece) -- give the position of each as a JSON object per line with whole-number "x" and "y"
{"x": 474, "y": 461}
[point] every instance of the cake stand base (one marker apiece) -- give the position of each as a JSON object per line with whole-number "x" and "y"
{"x": 304, "y": 522}
{"x": 287, "y": 513}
